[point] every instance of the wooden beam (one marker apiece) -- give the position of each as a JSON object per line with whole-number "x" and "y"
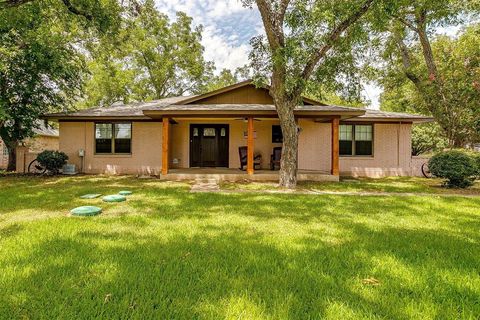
{"x": 250, "y": 147}
{"x": 335, "y": 147}
{"x": 165, "y": 145}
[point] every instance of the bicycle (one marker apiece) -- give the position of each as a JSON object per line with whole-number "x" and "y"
{"x": 36, "y": 168}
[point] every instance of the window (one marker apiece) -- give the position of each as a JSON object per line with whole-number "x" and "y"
{"x": 209, "y": 132}
{"x": 356, "y": 140}
{"x": 113, "y": 138}
{"x": 277, "y": 136}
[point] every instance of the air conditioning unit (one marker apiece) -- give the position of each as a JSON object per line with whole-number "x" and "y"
{"x": 69, "y": 169}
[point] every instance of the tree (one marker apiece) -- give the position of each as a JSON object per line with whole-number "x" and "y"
{"x": 40, "y": 70}
{"x": 226, "y": 78}
{"x": 305, "y": 40}
{"x": 152, "y": 58}
{"x": 454, "y": 100}
{"x": 104, "y": 15}
{"x": 427, "y": 138}
{"x": 412, "y": 52}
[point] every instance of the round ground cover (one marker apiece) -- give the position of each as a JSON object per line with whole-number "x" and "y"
{"x": 86, "y": 211}
{"x": 114, "y": 198}
{"x": 125, "y": 192}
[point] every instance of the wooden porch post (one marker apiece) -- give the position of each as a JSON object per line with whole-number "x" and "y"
{"x": 165, "y": 145}
{"x": 335, "y": 147}
{"x": 250, "y": 147}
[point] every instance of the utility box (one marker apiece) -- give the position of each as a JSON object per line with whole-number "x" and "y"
{"x": 69, "y": 169}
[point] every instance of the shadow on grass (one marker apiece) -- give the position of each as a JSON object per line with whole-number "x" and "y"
{"x": 172, "y": 254}
{"x": 227, "y": 271}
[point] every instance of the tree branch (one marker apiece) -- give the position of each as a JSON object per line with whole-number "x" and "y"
{"x": 70, "y": 7}
{"x": 332, "y": 37}
{"x": 407, "y": 62}
{"x": 407, "y": 23}
{"x": 274, "y": 36}
{"x": 12, "y": 3}
{"x": 76, "y": 11}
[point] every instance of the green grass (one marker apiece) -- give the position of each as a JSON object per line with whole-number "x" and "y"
{"x": 166, "y": 253}
{"x": 389, "y": 185}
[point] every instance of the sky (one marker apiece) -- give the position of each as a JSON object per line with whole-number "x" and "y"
{"x": 228, "y": 28}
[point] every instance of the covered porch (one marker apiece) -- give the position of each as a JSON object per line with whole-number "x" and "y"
{"x": 180, "y": 149}
{"x": 235, "y": 175}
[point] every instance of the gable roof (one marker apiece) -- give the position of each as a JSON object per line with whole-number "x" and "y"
{"x": 193, "y": 99}
{"x": 247, "y": 100}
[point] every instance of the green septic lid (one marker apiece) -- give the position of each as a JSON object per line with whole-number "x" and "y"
{"x": 91, "y": 196}
{"x": 114, "y": 198}
{"x": 125, "y": 192}
{"x": 86, "y": 211}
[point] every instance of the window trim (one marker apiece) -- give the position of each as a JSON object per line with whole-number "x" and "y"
{"x": 353, "y": 155}
{"x": 112, "y": 142}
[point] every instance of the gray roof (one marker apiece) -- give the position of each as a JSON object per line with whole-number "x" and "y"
{"x": 378, "y": 114}
{"x": 45, "y": 130}
{"x": 244, "y": 107}
{"x": 173, "y": 104}
{"x": 121, "y": 110}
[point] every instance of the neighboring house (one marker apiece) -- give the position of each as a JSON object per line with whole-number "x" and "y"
{"x": 182, "y": 133}
{"x": 45, "y": 138}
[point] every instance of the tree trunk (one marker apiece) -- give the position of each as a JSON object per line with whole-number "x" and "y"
{"x": 288, "y": 161}
{"x": 12, "y": 156}
{"x": 427, "y": 49}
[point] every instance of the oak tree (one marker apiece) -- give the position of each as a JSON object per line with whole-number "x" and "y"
{"x": 441, "y": 91}
{"x": 304, "y": 41}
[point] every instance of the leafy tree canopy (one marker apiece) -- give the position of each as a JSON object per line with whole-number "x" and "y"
{"x": 416, "y": 69}
{"x": 151, "y": 58}
{"x": 40, "y": 68}
{"x": 457, "y": 62}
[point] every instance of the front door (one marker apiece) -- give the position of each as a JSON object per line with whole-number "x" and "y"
{"x": 209, "y": 145}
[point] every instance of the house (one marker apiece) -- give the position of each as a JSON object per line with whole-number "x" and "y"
{"x": 177, "y": 137}
{"x": 46, "y": 138}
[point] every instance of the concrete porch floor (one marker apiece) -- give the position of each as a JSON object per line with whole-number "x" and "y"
{"x": 232, "y": 175}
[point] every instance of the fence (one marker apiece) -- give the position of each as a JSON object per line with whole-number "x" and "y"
{"x": 416, "y": 165}
{"x": 24, "y": 157}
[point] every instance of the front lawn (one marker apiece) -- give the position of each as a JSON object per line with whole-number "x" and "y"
{"x": 167, "y": 253}
{"x": 411, "y": 185}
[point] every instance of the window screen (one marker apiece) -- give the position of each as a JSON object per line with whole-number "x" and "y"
{"x": 113, "y": 137}
{"x": 356, "y": 140}
{"x": 123, "y": 137}
{"x": 363, "y": 140}
{"x": 103, "y": 138}
{"x": 346, "y": 139}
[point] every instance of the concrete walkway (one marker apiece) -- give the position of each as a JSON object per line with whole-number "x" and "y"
{"x": 205, "y": 185}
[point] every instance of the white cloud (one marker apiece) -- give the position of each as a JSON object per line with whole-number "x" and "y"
{"x": 228, "y": 27}
{"x": 224, "y": 54}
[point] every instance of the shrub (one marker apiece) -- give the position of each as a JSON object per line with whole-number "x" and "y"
{"x": 457, "y": 167}
{"x": 52, "y": 160}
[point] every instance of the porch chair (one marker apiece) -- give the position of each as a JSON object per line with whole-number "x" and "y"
{"x": 243, "y": 153}
{"x": 275, "y": 158}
